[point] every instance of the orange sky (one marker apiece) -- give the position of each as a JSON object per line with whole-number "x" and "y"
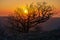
{"x": 10, "y": 5}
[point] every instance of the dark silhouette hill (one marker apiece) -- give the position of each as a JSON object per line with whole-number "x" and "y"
{"x": 51, "y": 24}
{"x": 51, "y": 30}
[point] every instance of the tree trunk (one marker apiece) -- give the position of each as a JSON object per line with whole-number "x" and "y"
{"x": 26, "y": 29}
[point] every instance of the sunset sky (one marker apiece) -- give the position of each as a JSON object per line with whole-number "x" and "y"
{"x": 11, "y": 5}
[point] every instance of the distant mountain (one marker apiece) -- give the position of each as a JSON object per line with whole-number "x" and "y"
{"x": 51, "y": 24}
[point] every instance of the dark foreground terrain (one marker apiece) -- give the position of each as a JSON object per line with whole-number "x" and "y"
{"x": 49, "y": 35}
{"x": 51, "y": 30}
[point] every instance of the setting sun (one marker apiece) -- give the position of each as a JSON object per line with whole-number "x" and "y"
{"x": 25, "y": 11}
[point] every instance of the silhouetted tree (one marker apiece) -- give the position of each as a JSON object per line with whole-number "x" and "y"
{"x": 37, "y": 13}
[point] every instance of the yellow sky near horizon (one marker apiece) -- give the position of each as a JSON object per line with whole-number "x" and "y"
{"x": 13, "y": 4}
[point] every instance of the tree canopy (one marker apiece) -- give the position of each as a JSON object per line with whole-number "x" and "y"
{"x": 25, "y": 18}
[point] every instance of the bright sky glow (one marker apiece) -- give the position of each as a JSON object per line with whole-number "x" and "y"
{"x": 11, "y": 5}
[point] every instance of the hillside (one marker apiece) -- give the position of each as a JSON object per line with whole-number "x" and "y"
{"x": 52, "y": 23}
